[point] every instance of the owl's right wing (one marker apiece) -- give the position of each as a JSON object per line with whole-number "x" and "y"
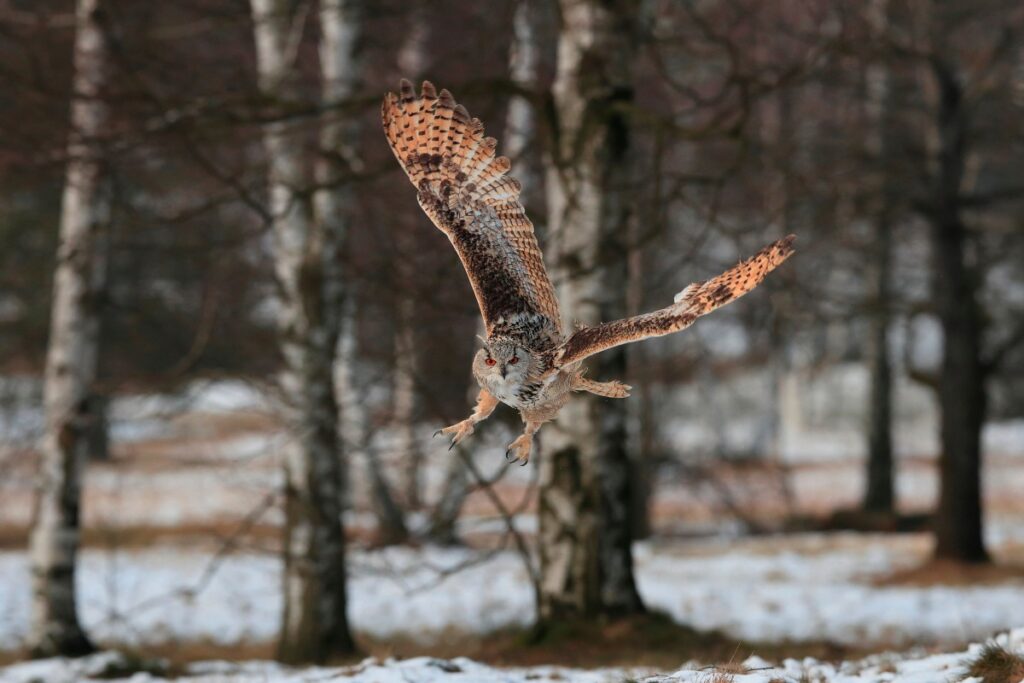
{"x": 696, "y": 300}
{"x": 463, "y": 187}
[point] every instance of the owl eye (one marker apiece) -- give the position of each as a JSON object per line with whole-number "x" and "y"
{"x": 513, "y": 360}
{"x": 490, "y": 361}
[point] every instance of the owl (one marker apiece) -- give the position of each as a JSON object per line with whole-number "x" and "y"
{"x": 527, "y": 360}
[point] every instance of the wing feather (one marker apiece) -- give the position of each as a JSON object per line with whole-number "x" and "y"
{"x": 465, "y": 190}
{"x": 696, "y": 300}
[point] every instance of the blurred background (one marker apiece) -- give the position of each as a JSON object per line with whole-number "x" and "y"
{"x": 227, "y": 331}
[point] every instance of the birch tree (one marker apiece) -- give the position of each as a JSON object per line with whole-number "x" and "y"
{"x": 341, "y": 66}
{"x": 879, "y": 493}
{"x": 412, "y": 61}
{"x": 585, "y": 542}
{"x": 314, "y": 625}
{"x": 73, "y": 351}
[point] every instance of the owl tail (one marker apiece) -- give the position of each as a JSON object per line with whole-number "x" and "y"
{"x": 703, "y": 297}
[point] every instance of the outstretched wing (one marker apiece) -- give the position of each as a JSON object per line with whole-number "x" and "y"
{"x": 465, "y": 190}
{"x": 696, "y": 300}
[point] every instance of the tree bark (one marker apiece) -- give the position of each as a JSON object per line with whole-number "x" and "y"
{"x": 412, "y": 60}
{"x": 959, "y": 527}
{"x": 391, "y": 526}
{"x": 71, "y": 361}
{"x": 585, "y": 541}
{"x": 314, "y": 625}
{"x": 879, "y": 493}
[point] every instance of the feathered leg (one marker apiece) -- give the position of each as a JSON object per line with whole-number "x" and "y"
{"x": 485, "y": 405}
{"x": 613, "y": 389}
{"x": 519, "y": 450}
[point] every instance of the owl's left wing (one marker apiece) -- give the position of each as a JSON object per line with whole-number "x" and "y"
{"x": 465, "y": 190}
{"x": 696, "y": 300}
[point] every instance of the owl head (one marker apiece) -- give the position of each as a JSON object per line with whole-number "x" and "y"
{"x": 501, "y": 359}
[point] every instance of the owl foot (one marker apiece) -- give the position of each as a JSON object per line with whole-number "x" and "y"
{"x": 459, "y": 430}
{"x": 519, "y": 450}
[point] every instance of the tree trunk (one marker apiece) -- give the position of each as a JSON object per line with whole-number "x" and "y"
{"x": 585, "y": 542}
{"x": 958, "y": 526}
{"x": 391, "y": 527}
{"x": 99, "y": 427}
{"x": 879, "y": 493}
{"x": 403, "y": 394}
{"x": 412, "y": 60}
{"x": 72, "y": 356}
{"x": 314, "y": 625}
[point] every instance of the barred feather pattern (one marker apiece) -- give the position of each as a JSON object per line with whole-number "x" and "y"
{"x": 696, "y": 300}
{"x": 466, "y": 191}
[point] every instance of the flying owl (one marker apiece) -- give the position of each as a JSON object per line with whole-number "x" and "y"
{"x": 527, "y": 360}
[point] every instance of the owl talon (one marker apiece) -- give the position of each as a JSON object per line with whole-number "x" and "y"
{"x": 439, "y": 431}
{"x": 519, "y": 450}
{"x": 458, "y": 431}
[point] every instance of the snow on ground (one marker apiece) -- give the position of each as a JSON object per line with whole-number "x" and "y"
{"x": 889, "y": 668}
{"x": 816, "y": 590}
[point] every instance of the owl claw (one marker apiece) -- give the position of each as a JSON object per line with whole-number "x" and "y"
{"x": 439, "y": 431}
{"x": 458, "y": 431}
{"x": 519, "y": 450}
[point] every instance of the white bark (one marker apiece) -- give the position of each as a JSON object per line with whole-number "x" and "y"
{"x": 306, "y": 258}
{"x": 521, "y": 121}
{"x": 586, "y": 564}
{"x": 412, "y": 60}
{"x": 390, "y": 521}
{"x": 72, "y": 355}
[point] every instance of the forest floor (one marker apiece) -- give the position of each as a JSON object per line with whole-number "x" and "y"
{"x": 180, "y": 564}
{"x": 999, "y": 661}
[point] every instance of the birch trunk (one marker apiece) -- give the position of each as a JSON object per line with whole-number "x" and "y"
{"x": 390, "y": 521}
{"x": 412, "y": 61}
{"x": 879, "y": 493}
{"x": 72, "y": 356}
{"x": 314, "y": 625}
{"x": 519, "y": 137}
{"x": 585, "y": 542}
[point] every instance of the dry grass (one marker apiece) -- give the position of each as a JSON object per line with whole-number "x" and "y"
{"x": 650, "y": 641}
{"x": 196, "y": 535}
{"x": 996, "y": 664}
{"x": 949, "y": 573}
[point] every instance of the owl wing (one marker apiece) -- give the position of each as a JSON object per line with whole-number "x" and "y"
{"x": 696, "y": 300}
{"x": 465, "y": 190}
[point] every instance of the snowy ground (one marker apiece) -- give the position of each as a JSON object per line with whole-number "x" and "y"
{"x": 193, "y": 467}
{"x": 805, "y": 588}
{"x": 892, "y": 668}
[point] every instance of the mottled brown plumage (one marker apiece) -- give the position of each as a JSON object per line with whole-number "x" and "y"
{"x": 526, "y": 361}
{"x": 463, "y": 188}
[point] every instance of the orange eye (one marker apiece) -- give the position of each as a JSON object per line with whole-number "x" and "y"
{"x": 490, "y": 361}
{"x": 513, "y": 360}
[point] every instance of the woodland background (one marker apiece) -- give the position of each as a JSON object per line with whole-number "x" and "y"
{"x": 227, "y": 329}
